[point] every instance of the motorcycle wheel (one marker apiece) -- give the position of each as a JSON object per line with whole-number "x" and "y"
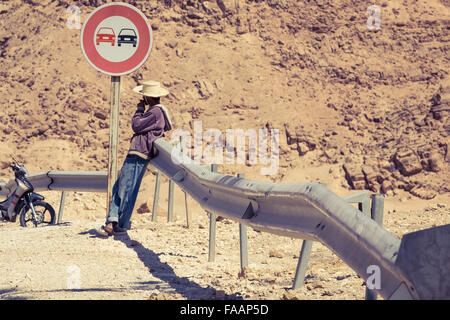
{"x": 45, "y": 215}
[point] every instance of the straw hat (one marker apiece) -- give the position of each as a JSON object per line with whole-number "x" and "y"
{"x": 151, "y": 89}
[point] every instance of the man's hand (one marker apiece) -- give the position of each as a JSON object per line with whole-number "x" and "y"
{"x": 141, "y": 105}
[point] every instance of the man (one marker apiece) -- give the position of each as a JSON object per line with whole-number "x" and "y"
{"x": 147, "y": 127}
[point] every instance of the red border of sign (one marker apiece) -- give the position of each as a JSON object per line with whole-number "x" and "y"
{"x": 144, "y": 46}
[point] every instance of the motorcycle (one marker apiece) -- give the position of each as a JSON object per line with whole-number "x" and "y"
{"x": 24, "y": 202}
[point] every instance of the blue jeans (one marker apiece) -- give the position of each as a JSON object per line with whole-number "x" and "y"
{"x": 125, "y": 190}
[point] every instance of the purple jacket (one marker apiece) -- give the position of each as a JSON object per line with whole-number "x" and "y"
{"x": 147, "y": 126}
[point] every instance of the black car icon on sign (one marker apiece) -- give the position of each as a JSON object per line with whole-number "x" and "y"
{"x": 127, "y": 36}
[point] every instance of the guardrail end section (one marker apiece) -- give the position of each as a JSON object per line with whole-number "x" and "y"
{"x": 424, "y": 257}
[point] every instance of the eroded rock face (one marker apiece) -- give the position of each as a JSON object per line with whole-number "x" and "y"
{"x": 407, "y": 161}
{"x": 298, "y": 138}
{"x": 440, "y": 104}
{"x": 283, "y": 61}
{"x": 434, "y": 162}
{"x": 355, "y": 176}
{"x": 372, "y": 177}
{"x": 386, "y": 186}
{"x": 423, "y": 193}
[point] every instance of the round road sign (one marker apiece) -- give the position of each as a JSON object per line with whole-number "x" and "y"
{"x": 116, "y": 38}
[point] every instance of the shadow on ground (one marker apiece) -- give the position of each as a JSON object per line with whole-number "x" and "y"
{"x": 9, "y": 294}
{"x": 171, "y": 283}
{"x": 161, "y": 270}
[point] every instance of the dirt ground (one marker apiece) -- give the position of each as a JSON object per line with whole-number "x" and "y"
{"x": 167, "y": 260}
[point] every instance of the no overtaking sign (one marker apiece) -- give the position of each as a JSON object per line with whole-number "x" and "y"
{"x": 116, "y": 39}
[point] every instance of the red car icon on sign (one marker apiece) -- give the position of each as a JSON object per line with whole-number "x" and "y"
{"x": 106, "y": 35}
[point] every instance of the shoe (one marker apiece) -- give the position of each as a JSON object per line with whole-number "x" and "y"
{"x": 105, "y": 231}
{"x": 119, "y": 230}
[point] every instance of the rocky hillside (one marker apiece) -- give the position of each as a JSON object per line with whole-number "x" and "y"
{"x": 368, "y": 106}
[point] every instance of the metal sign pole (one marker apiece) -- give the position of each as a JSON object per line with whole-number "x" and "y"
{"x": 113, "y": 136}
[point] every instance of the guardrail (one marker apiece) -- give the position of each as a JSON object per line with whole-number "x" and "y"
{"x": 307, "y": 211}
{"x": 408, "y": 269}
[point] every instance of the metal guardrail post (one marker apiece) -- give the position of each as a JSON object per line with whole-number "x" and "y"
{"x": 61, "y": 206}
{"x": 243, "y": 246}
{"x": 377, "y": 208}
{"x": 364, "y": 206}
{"x": 243, "y": 240}
{"x": 377, "y": 215}
{"x": 212, "y": 229}
{"x": 188, "y": 218}
{"x": 170, "y": 216}
{"x": 363, "y": 200}
{"x": 156, "y": 196}
{"x": 212, "y": 237}
{"x": 302, "y": 265}
{"x": 186, "y": 196}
